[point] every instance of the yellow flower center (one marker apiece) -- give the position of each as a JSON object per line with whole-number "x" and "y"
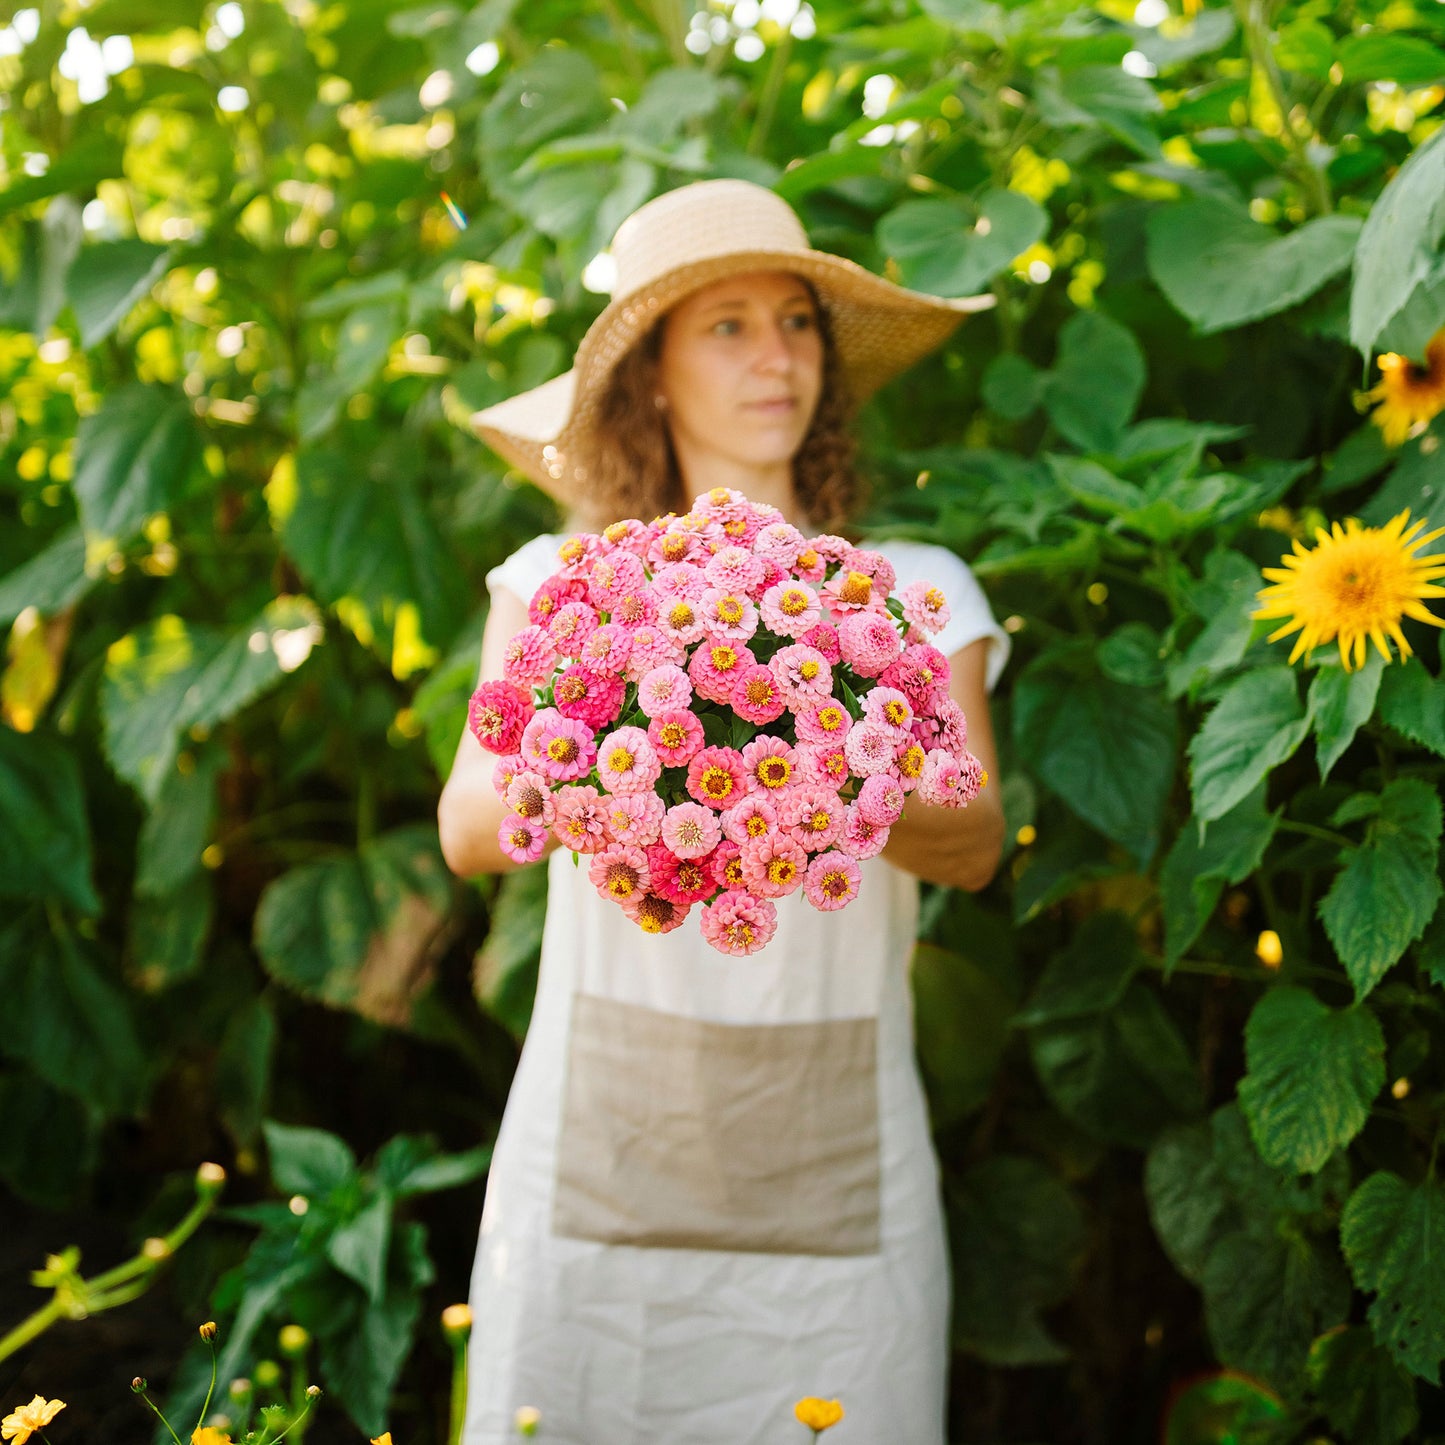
{"x": 774, "y": 772}
{"x": 911, "y": 763}
{"x": 654, "y": 914}
{"x": 530, "y": 802}
{"x": 807, "y": 559}
{"x": 808, "y": 669}
{"x": 793, "y": 602}
{"x": 717, "y": 496}
{"x": 571, "y": 689}
{"x": 730, "y": 610}
{"x": 717, "y": 782}
{"x": 620, "y": 759}
{"x": 733, "y": 872}
{"x": 740, "y": 933}
{"x": 756, "y": 826}
{"x": 759, "y": 692}
{"x": 690, "y": 876}
{"x": 830, "y": 719}
{"x": 673, "y": 735}
{"x": 835, "y": 884}
{"x": 562, "y": 750}
{"x": 546, "y": 605}
{"x": 857, "y": 589}
{"x": 681, "y": 614}
{"x": 933, "y": 599}
{"x": 617, "y": 532}
{"x": 818, "y": 823}
{"x": 724, "y": 659}
{"x": 521, "y": 838}
{"x": 674, "y": 549}
{"x": 571, "y": 550}
{"x": 782, "y": 871}
{"x": 736, "y": 527}
{"x": 896, "y": 712}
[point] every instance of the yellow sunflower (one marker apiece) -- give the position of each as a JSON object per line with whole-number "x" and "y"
{"x": 1407, "y": 392}
{"x": 1356, "y": 585}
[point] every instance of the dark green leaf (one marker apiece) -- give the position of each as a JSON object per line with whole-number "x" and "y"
{"x": 1391, "y": 1233}
{"x": 1134, "y": 655}
{"x": 444, "y": 1171}
{"x": 505, "y": 972}
{"x": 1013, "y": 386}
{"x": 1413, "y": 703}
{"x": 44, "y": 833}
{"x": 962, "y": 1025}
{"x": 1406, "y": 60}
{"x": 358, "y": 1247}
{"x": 308, "y": 1162}
{"x": 1389, "y": 887}
{"x": 1221, "y": 268}
{"x": 1361, "y": 1391}
{"x": 50, "y": 581}
{"x": 49, "y": 1142}
{"x": 1089, "y": 976}
{"x": 243, "y": 1069}
{"x": 1257, "y": 724}
{"x": 1340, "y": 703}
{"x": 167, "y": 932}
{"x": 1188, "y": 1203}
{"x": 1311, "y": 1075}
{"x": 944, "y": 250}
{"x": 177, "y": 826}
{"x": 1096, "y": 380}
{"x": 1224, "y": 597}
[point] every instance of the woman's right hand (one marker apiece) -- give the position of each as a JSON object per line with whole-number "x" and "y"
{"x": 470, "y": 812}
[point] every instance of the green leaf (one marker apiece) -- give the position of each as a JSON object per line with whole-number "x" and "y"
{"x": 1382, "y": 55}
{"x": 50, "y": 581}
{"x": 1088, "y": 977}
{"x": 1340, "y": 703}
{"x": 1189, "y": 1205}
{"x": 357, "y": 931}
{"x": 1094, "y": 486}
{"x": 428, "y": 1172}
{"x": 49, "y": 1143}
{"x": 166, "y": 933}
{"x": 1197, "y": 868}
{"x": 1413, "y": 703}
{"x": 308, "y": 1162}
{"x": 107, "y": 279}
{"x": 1398, "y": 262}
{"x": 44, "y": 833}
{"x": 1108, "y": 750}
{"x": 1391, "y": 1234}
{"x": 1389, "y": 887}
{"x": 1432, "y": 949}
{"x": 1102, "y": 95}
{"x": 1067, "y": 859}
{"x": 1012, "y": 386}
{"x": 89, "y": 158}
{"x": 962, "y": 1024}
{"x": 1224, "y": 597}
{"x": 1256, "y": 725}
{"x": 1360, "y": 1390}
{"x": 1221, "y": 268}
{"x": 1134, "y": 655}
{"x": 243, "y": 1069}
{"x": 1311, "y": 1075}
{"x": 505, "y": 970}
{"x": 358, "y": 1247}
{"x": 177, "y": 826}
{"x": 944, "y": 250}
{"x": 132, "y": 458}
{"x": 1021, "y": 1237}
{"x": 1305, "y": 47}
{"x": 1096, "y": 380}
{"x": 366, "y": 338}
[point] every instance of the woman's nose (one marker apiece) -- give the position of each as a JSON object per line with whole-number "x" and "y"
{"x": 773, "y": 354}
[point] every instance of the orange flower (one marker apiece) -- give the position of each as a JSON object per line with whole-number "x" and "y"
{"x": 818, "y": 1415}
{"x": 1409, "y": 394}
{"x": 19, "y": 1425}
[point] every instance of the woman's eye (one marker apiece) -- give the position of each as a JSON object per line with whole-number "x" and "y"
{"x": 727, "y": 327}
{"x": 799, "y": 321}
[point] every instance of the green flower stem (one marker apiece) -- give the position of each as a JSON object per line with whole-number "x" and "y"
{"x": 28, "y": 1329}
{"x": 307, "y": 1402}
{"x": 151, "y": 1405}
{"x": 772, "y": 89}
{"x": 459, "y": 1390}
{"x": 1312, "y": 830}
{"x": 211, "y": 1388}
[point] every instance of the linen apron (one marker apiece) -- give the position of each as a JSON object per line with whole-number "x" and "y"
{"x": 714, "y": 1190}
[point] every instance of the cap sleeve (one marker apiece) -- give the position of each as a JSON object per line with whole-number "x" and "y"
{"x": 970, "y": 616}
{"x": 527, "y": 568}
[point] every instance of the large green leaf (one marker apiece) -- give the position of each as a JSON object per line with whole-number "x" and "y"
{"x": 1362, "y": 1392}
{"x": 504, "y": 973}
{"x": 178, "y": 825}
{"x": 358, "y": 1247}
{"x": 962, "y": 1024}
{"x": 1311, "y": 1074}
{"x": 44, "y": 833}
{"x": 308, "y": 1161}
{"x": 1340, "y": 703}
{"x": 359, "y": 931}
{"x": 1020, "y": 1237}
{"x": 366, "y": 338}
{"x": 1384, "y": 55}
{"x": 1221, "y": 268}
{"x": 132, "y": 458}
{"x": 107, "y": 279}
{"x": 1088, "y": 977}
{"x": 1399, "y": 284}
{"x": 1257, "y": 723}
{"x": 1413, "y": 703}
{"x": 944, "y": 250}
{"x": 1107, "y": 749}
{"x": 1393, "y": 1235}
{"x": 1389, "y": 887}
{"x": 50, "y": 581}
{"x": 1096, "y": 380}
{"x": 1101, "y": 95}
{"x": 167, "y": 932}
{"x": 1224, "y": 597}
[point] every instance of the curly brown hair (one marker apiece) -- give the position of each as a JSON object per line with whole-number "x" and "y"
{"x": 633, "y": 471}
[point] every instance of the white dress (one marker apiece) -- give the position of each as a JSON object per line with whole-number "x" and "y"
{"x": 714, "y": 1189}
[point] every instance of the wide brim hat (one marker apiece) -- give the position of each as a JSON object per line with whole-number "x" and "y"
{"x": 674, "y": 245}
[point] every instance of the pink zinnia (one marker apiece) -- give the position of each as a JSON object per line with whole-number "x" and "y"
{"x": 773, "y": 865}
{"x": 831, "y": 547}
{"x": 651, "y": 647}
{"x": 580, "y": 819}
{"x": 498, "y": 715}
{"x": 754, "y": 817}
{"x": 880, "y": 800}
{"x": 849, "y": 591}
{"x": 874, "y": 564}
{"x": 613, "y": 574}
{"x": 653, "y": 913}
{"x": 571, "y": 627}
{"x": 869, "y": 642}
{"x": 734, "y": 569}
{"x": 553, "y": 595}
{"x": 908, "y": 765}
{"x": 862, "y": 839}
{"x": 529, "y": 794}
{"x": 683, "y": 880}
{"x": 529, "y": 657}
{"x": 949, "y": 781}
{"x": 803, "y": 673}
{"x": 769, "y": 764}
{"x": 677, "y": 736}
{"x": 576, "y": 555}
{"x": 832, "y": 880}
{"x": 691, "y": 830}
{"x": 664, "y": 689}
{"x": 505, "y": 769}
{"x": 630, "y": 534}
{"x": 672, "y": 545}
{"x": 779, "y": 542}
{"x": 824, "y": 636}
{"x": 924, "y": 607}
{"x": 790, "y": 609}
{"x": 627, "y": 761}
{"x": 716, "y": 666}
{"x": 717, "y": 777}
{"x": 945, "y": 727}
{"x": 727, "y": 865}
{"x": 814, "y": 816}
{"x": 607, "y": 649}
{"x": 559, "y": 747}
{"x": 823, "y": 765}
{"x": 757, "y": 697}
{"x": 890, "y": 708}
{"x": 810, "y": 565}
{"x": 823, "y": 722}
{"x": 870, "y": 748}
{"x": 522, "y": 839}
{"x": 739, "y": 924}
{"x": 592, "y": 698}
{"x": 618, "y": 871}
{"x": 731, "y": 616}
{"x": 680, "y": 618}
{"x": 636, "y": 607}
{"x": 684, "y": 580}
{"x": 635, "y": 818}
{"x": 920, "y": 672}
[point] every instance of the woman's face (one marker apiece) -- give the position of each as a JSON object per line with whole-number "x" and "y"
{"x": 741, "y": 368}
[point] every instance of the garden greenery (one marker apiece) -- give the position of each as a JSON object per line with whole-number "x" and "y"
{"x": 259, "y": 263}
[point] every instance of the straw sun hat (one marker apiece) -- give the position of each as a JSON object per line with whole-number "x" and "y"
{"x": 675, "y": 245}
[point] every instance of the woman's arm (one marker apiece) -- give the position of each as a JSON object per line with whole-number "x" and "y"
{"x": 470, "y": 812}
{"x": 958, "y": 847}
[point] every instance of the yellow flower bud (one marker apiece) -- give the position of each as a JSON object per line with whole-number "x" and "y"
{"x": 293, "y": 1340}
{"x": 208, "y": 1331}
{"x": 155, "y": 1248}
{"x": 313, "y": 1392}
{"x": 457, "y": 1319}
{"x": 1269, "y": 950}
{"x": 526, "y": 1420}
{"x": 818, "y": 1415}
{"x": 210, "y": 1178}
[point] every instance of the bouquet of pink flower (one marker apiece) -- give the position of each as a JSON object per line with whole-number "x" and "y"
{"x": 717, "y": 710}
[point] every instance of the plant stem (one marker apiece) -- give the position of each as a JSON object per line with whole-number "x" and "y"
{"x": 28, "y": 1329}
{"x": 772, "y": 89}
{"x": 1312, "y": 830}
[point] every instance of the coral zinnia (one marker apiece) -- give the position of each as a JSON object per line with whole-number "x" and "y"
{"x": 1407, "y": 392}
{"x": 1355, "y": 585}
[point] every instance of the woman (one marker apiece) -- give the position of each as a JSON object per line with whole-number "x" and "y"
{"x": 714, "y": 1189}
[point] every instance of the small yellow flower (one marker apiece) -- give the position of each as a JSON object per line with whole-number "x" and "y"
{"x": 457, "y": 1319}
{"x": 1269, "y": 950}
{"x": 526, "y": 1421}
{"x": 209, "y": 1435}
{"x": 22, "y": 1423}
{"x": 208, "y": 1331}
{"x": 1355, "y": 586}
{"x": 384, "y": 1439}
{"x": 818, "y": 1415}
{"x": 293, "y": 1340}
{"x": 1409, "y": 395}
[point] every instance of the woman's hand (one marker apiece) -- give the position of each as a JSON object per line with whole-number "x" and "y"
{"x": 470, "y": 812}
{"x": 957, "y": 847}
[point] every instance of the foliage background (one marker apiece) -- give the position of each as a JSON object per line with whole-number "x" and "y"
{"x": 245, "y": 527}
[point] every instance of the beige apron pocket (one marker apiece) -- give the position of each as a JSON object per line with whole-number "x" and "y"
{"x": 679, "y": 1133}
